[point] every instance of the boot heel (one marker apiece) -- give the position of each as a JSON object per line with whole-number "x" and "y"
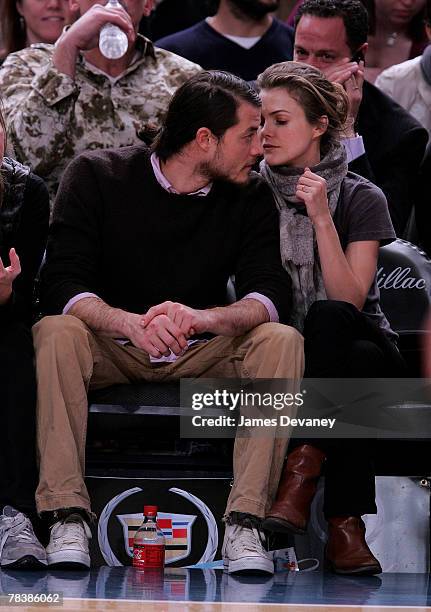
{"x": 278, "y": 525}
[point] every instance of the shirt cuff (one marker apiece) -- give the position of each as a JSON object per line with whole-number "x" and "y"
{"x": 76, "y": 299}
{"x": 269, "y": 305}
{"x": 54, "y": 86}
{"x": 354, "y": 147}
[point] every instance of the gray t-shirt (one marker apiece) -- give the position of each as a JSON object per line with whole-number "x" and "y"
{"x": 362, "y": 214}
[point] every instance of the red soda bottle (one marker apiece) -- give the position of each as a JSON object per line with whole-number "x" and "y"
{"x": 149, "y": 542}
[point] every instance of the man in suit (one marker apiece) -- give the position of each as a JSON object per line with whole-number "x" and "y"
{"x": 385, "y": 144}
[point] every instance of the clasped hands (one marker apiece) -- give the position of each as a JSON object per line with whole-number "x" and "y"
{"x": 165, "y": 328}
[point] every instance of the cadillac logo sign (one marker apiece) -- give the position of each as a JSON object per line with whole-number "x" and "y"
{"x": 177, "y": 528}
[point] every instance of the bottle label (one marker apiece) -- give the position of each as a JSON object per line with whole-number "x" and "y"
{"x": 148, "y": 556}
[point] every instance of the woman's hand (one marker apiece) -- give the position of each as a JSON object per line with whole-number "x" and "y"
{"x": 8, "y": 275}
{"x": 311, "y": 189}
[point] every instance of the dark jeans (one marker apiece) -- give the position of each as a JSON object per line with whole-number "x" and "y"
{"x": 18, "y": 470}
{"x": 342, "y": 342}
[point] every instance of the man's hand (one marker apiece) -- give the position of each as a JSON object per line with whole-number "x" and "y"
{"x": 189, "y": 320}
{"x": 159, "y": 337}
{"x": 83, "y": 35}
{"x": 8, "y": 275}
{"x": 312, "y": 190}
{"x": 351, "y": 76}
{"x": 156, "y": 332}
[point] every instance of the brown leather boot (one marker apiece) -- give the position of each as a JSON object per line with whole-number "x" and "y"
{"x": 291, "y": 508}
{"x": 347, "y": 551}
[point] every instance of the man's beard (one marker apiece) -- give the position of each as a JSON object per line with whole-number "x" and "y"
{"x": 253, "y": 9}
{"x": 215, "y": 172}
{"x": 215, "y": 169}
{"x": 212, "y": 172}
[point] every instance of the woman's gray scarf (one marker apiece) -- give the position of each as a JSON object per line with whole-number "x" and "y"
{"x": 297, "y": 238}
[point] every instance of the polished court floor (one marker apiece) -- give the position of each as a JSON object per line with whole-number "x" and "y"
{"x": 193, "y": 590}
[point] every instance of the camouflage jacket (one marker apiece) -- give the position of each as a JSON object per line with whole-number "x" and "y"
{"x": 51, "y": 117}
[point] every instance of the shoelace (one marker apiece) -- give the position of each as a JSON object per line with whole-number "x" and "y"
{"x": 241, "y": 540}
{"x": 70, "y": 532}
{"x": 18, "y": 526}
{"x": 26, "y": 534}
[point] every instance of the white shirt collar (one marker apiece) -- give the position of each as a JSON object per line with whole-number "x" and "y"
{"x": 163, "y": 181}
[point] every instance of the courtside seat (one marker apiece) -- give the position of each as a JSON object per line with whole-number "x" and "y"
{"x": 138, "y": 398}
{"x": 404, "y": 279}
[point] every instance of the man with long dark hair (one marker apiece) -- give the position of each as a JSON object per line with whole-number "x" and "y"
{"x": 141, "y": 249}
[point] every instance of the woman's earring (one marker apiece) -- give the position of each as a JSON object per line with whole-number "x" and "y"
{"x": 22, "y": 23}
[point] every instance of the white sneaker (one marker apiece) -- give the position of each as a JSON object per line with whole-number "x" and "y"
{"x": 243, "y": 551}
{"x": 68, "y": 544}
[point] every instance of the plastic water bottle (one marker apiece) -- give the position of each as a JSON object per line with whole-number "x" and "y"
{"x": 113, "y": 42}
{"x": 149, "y": 543}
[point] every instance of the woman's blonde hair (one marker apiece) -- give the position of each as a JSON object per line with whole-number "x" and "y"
{"x": 314, "y": 93}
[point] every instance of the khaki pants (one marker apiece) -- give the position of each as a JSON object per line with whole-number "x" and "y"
{"x": 71, "y": 359}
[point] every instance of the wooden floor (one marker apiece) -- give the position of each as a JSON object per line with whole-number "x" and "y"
{"x": 123, "y": 589}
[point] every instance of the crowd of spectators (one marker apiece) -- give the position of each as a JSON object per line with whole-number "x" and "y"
{"x": 205, "y": 155}
{"x": 409, "y": 82}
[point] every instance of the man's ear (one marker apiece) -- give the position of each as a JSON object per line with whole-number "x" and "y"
{"x": 205, "y": 139}
{"x": 149, "y": 5}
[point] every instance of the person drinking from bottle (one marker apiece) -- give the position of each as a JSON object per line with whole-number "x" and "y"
{"x": 65, "y": 99}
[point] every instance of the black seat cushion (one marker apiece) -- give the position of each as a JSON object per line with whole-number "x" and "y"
{"x": 138, "y": 394}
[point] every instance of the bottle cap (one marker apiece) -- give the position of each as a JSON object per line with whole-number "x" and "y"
{"x": 150, "y": 510}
